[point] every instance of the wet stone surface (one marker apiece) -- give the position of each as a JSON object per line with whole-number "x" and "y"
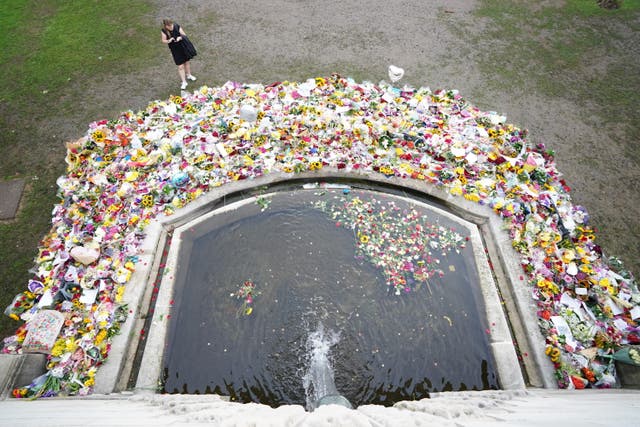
{"x": 253, "y": 283}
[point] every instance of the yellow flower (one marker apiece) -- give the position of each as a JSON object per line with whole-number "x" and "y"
{"x": 101, "y": 336}
{"x": 585, "y": 267}
{"x": 387, "y": 170}
{"x": 364, "y": 239}
{"x": 474, "y": 197}
{"x": 553, "y": 353}
{"x": 315, "y": 166}
{"x": 407, "y": 168}
{"x": 58, "y": 348}
{"x": 604, "y": 282}
{"x": 99, "y": 135}
{"x": 548, "y": 287}
{"x": 119, "y": 293}
{"x": 70, "y": 345}
{"x": 248, "y": 161}
{"x": 147, "y": 200}
{"x": 568, "y": 255}
{"x": 131, "y": 176}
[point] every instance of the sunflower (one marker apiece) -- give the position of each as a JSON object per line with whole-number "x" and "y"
{"x": 147, "y": 200}
{"x": 315, "y": 166}
{"x": 387, "y": 170}
{"x": 99, "y": 135}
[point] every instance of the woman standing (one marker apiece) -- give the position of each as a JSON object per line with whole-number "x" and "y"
{"x": 181, "y": 49}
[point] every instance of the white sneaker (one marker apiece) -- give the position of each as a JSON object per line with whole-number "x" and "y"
{"x": 191, "y": 77}
{"x": 183, "y": 86}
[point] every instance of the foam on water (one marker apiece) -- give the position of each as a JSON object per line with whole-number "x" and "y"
{"x": 318, "y": 380}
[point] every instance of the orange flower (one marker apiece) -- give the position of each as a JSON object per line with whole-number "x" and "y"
{"x": 578, "y": 382}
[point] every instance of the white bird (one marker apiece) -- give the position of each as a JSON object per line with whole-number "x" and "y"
{"x": 395, "y": 73}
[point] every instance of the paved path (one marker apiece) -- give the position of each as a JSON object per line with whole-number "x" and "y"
{"x": 10, "y": 195}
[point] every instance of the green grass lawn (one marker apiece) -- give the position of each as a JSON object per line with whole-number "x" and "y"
{"x": 46, "y": 45}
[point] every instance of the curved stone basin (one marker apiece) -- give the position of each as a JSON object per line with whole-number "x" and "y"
{"x": 394, "y": 277}
{"x": 142, "y": 370}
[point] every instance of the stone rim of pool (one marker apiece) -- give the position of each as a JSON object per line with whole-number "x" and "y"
{"x": 135, "y": 360}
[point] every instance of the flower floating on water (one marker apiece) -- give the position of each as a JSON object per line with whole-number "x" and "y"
{"x": 246, "y": 293}
{"x": 401, "y": 242}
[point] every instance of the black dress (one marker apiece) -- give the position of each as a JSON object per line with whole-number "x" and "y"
{"x": 180, "y": 54}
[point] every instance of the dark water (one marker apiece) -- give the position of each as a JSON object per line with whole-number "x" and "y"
{"x": 304, "y": 267}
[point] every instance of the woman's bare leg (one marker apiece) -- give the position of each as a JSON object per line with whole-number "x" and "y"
{"x": 181, "y": 69}
{"x": 187, "y": 68}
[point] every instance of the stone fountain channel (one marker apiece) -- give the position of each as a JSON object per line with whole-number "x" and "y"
{"x": 137, "y": 355}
